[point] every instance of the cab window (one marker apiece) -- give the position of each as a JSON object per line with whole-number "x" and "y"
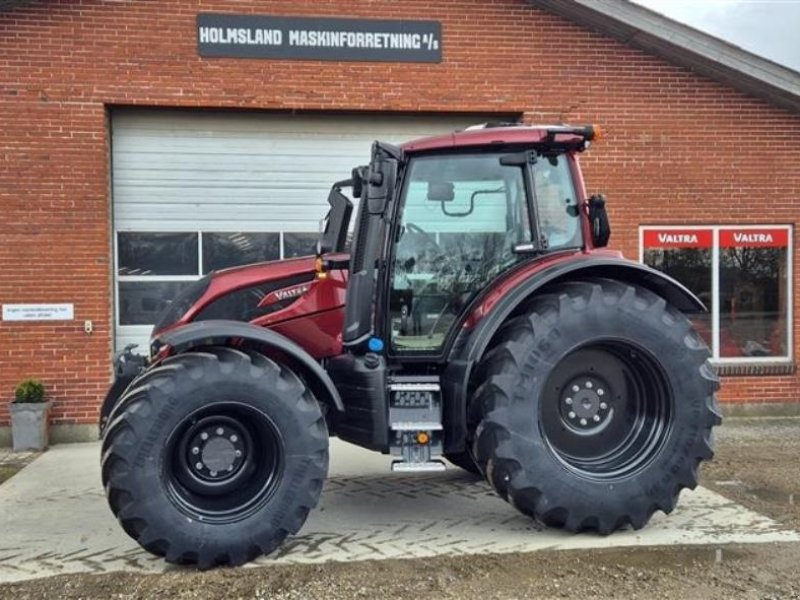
{"x": 461, "y": 218}
{"x": 557, "y": 203}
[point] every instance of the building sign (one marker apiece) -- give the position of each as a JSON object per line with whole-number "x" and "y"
{"x": 38, "y": 312}
{"x": 302, "y": 38}
{"x": 678, "y": 238}
{"x": 754, "y": 238}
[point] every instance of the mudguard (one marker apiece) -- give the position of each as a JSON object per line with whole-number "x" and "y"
{"x": 470, "y": 347}
{"x": 216, "y": 332}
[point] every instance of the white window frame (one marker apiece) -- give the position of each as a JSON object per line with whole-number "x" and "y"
{"x": 143, "y": 330}
{"x": 715, "y": 312}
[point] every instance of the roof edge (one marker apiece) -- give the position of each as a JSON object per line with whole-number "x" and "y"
{"x": 684, "y": 45}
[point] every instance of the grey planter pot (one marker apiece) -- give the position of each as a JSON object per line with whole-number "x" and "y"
{"x": 29, "y": 426}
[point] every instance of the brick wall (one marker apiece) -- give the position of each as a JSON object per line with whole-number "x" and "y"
{"x": 679, "y": 147}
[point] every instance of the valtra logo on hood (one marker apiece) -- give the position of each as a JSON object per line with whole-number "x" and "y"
{"x": 288, "y": 293}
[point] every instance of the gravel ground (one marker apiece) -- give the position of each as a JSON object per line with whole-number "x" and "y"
{"x": 758, "y": 465}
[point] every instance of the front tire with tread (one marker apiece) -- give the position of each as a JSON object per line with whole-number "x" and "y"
{"x": 136, "y": 460}
{"x": 463, "y": 460}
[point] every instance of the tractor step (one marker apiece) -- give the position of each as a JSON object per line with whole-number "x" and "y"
{"x": 417, "y": 426}
{"x": 415, "y": 423}
{"x": 399, "y": 466}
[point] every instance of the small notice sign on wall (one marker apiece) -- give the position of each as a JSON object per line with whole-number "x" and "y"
{"x": 38, "y": 312}
{"x": 304, "y": 38}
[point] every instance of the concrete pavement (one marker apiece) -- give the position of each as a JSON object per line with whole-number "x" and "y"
{"x": 54, "y": 519}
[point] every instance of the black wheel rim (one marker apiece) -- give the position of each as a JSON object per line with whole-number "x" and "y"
{"x": 606, "y": 410}
{"x": 223, "y": 462}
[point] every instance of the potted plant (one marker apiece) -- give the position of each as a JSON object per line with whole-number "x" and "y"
{"x": 29, "y": 411}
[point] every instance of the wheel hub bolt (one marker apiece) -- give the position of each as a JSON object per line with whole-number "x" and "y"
{"x": 199, "y": 466}
{"x": 571, "y": 415}
{"x": 213, "y": 473}
{"x": 575, "y": 388}
{"x": 568, "y": 401}
{"x": 204, "y": 436}
{"x": 600, "y": 391}
{"x": 596, "y": 418}
{"x": 220, "y": 431}
{"x": 603, "y": 406}
{"x": 588, "y": 385}
{"x": 583, "y": 421}
{"x": 230, "y": 468}
{"x": 238, "y": 453}
{"x": 195, "y": 450}
{"x": 234, "y": 438}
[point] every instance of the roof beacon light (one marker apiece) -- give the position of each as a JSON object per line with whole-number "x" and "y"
{"x": 585, "y": 134}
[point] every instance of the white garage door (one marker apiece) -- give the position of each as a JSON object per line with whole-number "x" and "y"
{"x": 199, "y": 191}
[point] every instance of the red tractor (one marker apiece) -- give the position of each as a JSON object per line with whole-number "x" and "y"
{"x": 478, "y": 318}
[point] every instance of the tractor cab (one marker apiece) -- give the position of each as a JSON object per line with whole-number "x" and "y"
{"x": 441, "y": 221}
{"x": 441, "y": 218}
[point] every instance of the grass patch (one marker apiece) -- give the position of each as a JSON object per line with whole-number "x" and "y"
{"x": 7, "y": 471}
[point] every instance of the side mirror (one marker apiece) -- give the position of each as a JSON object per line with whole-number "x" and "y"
{"x": 334, "y": 235}
{"x": 359, "y": 178}
{"x": 380, "y": 184}
{"x": 441, "y": 191}
{"x": 598, "y": 219}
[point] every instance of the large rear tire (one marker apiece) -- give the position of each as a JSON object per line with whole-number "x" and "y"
{"x": 214, "y": 457}
{"x": 595, "y": 407}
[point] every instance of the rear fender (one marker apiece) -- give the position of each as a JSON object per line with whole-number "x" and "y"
{"x": 238, "y": 334}
{"x": 468, "y": 350}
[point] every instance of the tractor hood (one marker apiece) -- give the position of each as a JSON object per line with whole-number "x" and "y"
{"x": 263, "y": 293}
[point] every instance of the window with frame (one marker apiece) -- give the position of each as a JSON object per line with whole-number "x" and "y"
{"x": 556, "y": 202}
{"x": 462, "y": 217}
{"x": 742, "y": 274}
{"x": 154, "y": 267}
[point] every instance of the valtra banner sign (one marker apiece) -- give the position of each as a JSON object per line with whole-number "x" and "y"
{"x": 678, "y": 238}
{"x": 754, "y": 238}
{"x": 304, "y": 38}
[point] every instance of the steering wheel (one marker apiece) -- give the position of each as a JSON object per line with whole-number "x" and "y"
{"x": 428, "y": 237}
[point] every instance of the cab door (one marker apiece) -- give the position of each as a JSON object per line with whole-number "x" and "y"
{"x": 460, "y": 218}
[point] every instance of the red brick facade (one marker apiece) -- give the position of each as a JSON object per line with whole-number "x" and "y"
{"x": 679, "y": 147}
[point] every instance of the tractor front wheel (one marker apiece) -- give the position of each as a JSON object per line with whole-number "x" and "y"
{"x": 214, "y": 457}
{"x": 463, "y": 460}
{"x": 595, "y": 408}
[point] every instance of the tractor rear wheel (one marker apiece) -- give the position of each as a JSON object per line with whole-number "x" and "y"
{"x": 595, "y": 407}
{"x": 214, "y": 457}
